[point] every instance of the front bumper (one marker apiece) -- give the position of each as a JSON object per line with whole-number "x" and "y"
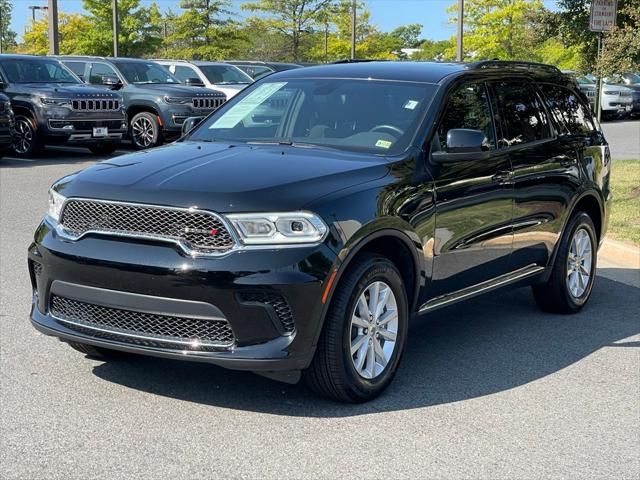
{"x": 144, "y": 276}
{"x": 174, "y": 117}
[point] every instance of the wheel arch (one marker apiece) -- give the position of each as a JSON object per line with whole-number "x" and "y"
{"x": 141, "y": 107}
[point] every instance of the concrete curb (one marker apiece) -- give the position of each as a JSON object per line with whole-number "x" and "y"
{"x": 620, "y": 253}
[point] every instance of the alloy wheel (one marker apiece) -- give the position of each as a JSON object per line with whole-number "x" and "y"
{"x": 374, "y": 330}
{"x": 143, "y": 132}
{"x": 23, "y": 136}
{"x": 579, "y": 263}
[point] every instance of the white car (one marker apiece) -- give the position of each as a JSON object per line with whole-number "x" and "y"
{"x": 616, "y": 99}
{"x": 223, "y": 77}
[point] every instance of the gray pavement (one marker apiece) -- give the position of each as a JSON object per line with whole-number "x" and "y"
{"x": 488, "y": 389}
{"x": 624, "y": 139}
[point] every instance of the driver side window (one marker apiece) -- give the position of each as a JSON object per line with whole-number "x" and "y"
{"x": 467, "y": 107}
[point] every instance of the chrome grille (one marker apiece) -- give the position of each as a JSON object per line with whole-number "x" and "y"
{"x": 275, "y": 301}
{"x": 95, "y": 104}
{"x": 195, "y": 231}
{"x": 208, "y": 102}
{"x": 140, "y": 327}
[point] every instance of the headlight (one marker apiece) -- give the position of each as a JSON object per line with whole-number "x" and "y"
{"x": 55, "y": 205}
{"x": 5, "y": 106}
{"x": 610, "y": 92}
{"x": 278, "y": 228}
{"x": 57, "y": 102}
{"x": 177, "y": 100}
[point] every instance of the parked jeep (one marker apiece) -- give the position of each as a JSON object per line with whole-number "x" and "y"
{"x": 6, "y": 124}
{"x": 156, "y": 102}
{"x": 53, "y": 107}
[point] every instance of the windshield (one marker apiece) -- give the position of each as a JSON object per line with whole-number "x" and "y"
{"x": 225, "y": 74}
{"x": 632, "y": 78}
{"x": 359, "y": 115}
{"x": 145, "y": 72}
{"x": 37, "y": 70}
{"x": 583, "y": 80}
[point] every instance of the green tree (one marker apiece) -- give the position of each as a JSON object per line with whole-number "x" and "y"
{"x": 498, "y": 28}
{"x": 203, "y": 31}
{"x": 139, "y": 33}
{"x": 7, "y": 36}
{"x": 408, "y": 35}
{"x": 294, "y": 20}
{"x": 621, "y": 47}
{"x": 438, "y": 50}
{"x": 72, "y": 31}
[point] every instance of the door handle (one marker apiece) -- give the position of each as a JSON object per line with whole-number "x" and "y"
{"x": 502, "y": 176}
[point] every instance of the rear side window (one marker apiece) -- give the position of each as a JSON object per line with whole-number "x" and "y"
{"x": 569, "y": 112}
{"x": 467, "y": 107}
{"x": 521, "y": 113}
{"x": 77, "y": 68}
{"x": 183, "y": 73}
{"x": 99, "y": 71}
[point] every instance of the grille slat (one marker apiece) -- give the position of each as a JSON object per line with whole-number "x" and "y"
{"x": 208, "y": 102}
{"x": 135, "y": 327}
{"x": 196, "y": 231}
{"x": 88, "y": 105}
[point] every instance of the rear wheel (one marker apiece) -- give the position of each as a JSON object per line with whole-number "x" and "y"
{"x": 571, "y": 282}
{"x": 145, "y": 131}
{"x": 364, "y": 333}
{"x": 97, "y": 352}
{"x": 103, "y": 148}
{"x": 26, "y": 142}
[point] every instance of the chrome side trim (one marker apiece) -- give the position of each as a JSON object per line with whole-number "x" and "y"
{"x": 480, "y": 288}
{"x": 190, "y": 344}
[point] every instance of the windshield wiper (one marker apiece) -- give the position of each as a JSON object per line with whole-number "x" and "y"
{"x": 270, "y": 142}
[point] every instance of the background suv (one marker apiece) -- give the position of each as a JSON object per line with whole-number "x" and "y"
{"x": 6, "y": 124}
{"x": 53, "y": 107}
{"x": 258, "y": 69}
{"x": 222, "y": 77}
{"x": 616, "y": 99}
{"x": 298, "y": 239}
{"x": 156, "y": 102}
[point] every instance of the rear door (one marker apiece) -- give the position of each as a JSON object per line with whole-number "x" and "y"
{"x": 545, "y": 170}
{"x": 474, "y": 199}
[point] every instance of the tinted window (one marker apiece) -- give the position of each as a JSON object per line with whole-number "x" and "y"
{"x": 37, "y": 70}
{"x": 567, "y": 109}
{"x": 225, "y": 74}
{"x": 145, "y": 72}
{"x": 182, "y": 73}
{"x": 523, "y": 117}
{"x": 76, "y": 67}
{"x": 100, "y": 70}
{"x": 467, "y": 107}
{"x": 360, "y": 115}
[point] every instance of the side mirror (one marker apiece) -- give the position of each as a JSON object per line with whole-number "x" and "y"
{"x": 463, "y": 144}
{"x": 1, "y": 84}
{"x": 111, "y": 82}
{"x": 194, "y": 82}
{"x": 189, "y": 124}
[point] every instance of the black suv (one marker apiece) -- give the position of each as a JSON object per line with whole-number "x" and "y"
{"x": 6, "y": 124}
{"x": 53, "y": 107}
{"x": 156, "y": 102}
{"x": 297, "y": 229}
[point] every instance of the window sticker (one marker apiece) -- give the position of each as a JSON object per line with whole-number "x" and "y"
{"x": 411, "y": 104}
{"x": 383, "y": 143}
{"x": 244, "y": 107}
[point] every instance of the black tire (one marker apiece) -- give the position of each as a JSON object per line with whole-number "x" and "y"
{"x": 26, "y": 142}
{"x": 97, "y": 352}
{"x": 332, "y": 372}
{"x": 145, "y": 131}
{"x": 555, "y": 296}
{"x": 103, "y": 148}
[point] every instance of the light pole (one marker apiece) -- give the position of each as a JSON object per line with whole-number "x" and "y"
{"x": 54, "y": 48}
{"x": 33, "y": 9}
{"x": 460, "y": 47}
{"x": 353, "y": 29}
{"x": 115, "y": 28}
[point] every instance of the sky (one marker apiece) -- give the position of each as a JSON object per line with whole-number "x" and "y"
{"x": 386, "y": 14}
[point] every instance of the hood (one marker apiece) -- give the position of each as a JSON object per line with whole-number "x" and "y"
{"x": 69, "y": 90}
{"x": 225, "y": 177}
{"x": 230, "y": 89}
{"x": 177, "y": 90}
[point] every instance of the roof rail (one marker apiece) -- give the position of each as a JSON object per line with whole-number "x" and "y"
{"x": 515, "y": 64}
{"x": 357, "y": 60}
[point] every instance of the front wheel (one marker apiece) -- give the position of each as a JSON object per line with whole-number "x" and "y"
{"x": 364, "y": 334}
{"x": 145, "y": 131}
{"x": 571, "y": 282}
{"x": 26, "y": 142}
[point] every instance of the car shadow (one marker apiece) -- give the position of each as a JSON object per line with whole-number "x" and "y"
{"x": 477, "y": 348}
{"x": 55, "y": 156}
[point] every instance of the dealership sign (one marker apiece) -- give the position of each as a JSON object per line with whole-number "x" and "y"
{"x": 603, "y": 15}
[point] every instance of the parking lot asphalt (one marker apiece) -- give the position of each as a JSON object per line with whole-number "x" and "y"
{"x": 488, "y": 389}
{"x": 624, "y": 139}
